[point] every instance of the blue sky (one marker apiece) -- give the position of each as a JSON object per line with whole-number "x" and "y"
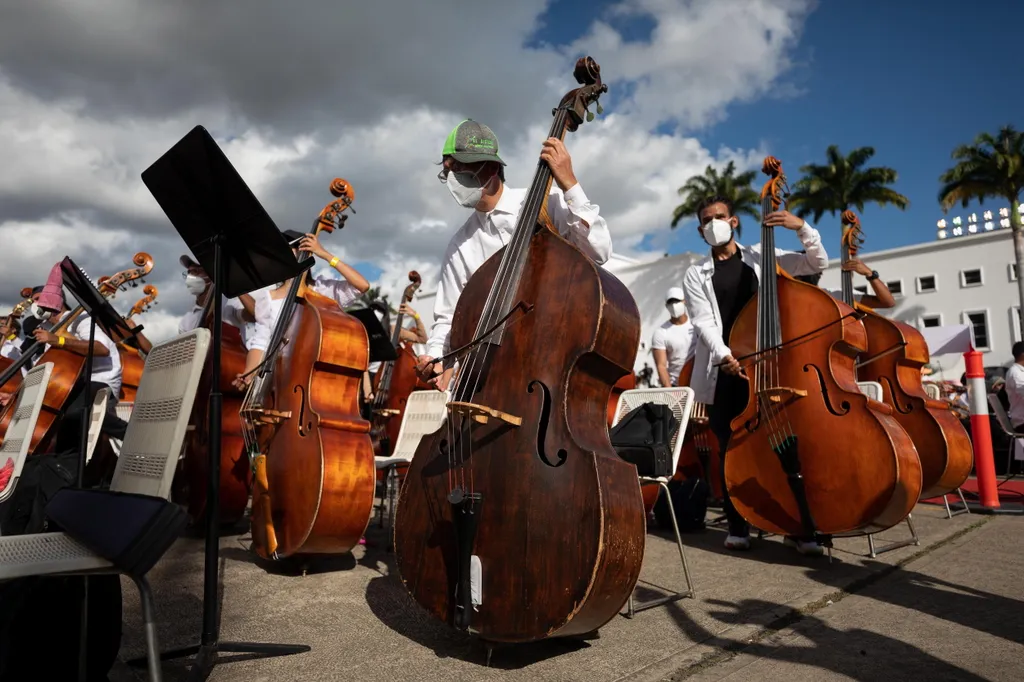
{"x": 911, "y": 79}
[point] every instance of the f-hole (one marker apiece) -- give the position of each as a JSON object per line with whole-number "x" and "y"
{"x": 844, "y": 405}
{"x": 542, "y": 427}
{"x": 305, "y": 428}
{"x": 902, "y": 409}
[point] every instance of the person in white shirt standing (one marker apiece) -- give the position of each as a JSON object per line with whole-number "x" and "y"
{"x": 474, "y": 174}
{"x": 672, "y": 343}
{"x": 1014, "y": 387}
{"x": 716, "y": 288}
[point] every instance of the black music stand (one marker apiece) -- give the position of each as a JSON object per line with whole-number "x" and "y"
{"x": 102, "y": 314}
{"x": 380, "y": 341}
{"x": 237, "y": 242}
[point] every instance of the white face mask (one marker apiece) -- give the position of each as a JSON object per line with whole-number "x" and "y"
{"x": 39, "y": 313}
{"x": 195, "y": 284}
{"x": 718, "y": 232}
{"x": 676, "y": 310}
{"x": 466, "y": 188}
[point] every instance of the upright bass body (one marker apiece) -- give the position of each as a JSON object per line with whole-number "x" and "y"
{"x": 320, "y": 470}
{"x": 560, "y": 535}
{"x": 943, "y": 445}
{"x": 860, "y": 468}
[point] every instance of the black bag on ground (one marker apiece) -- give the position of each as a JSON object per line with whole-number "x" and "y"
{"x": 690, "y": 500}
{"x": 644, "y": 438}
{"x": 41, "y": 477}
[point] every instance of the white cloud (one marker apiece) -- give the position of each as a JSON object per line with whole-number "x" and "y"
{"x": 298, "y": 96}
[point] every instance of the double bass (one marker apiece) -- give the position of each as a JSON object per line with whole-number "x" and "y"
{"x": 811, "y": 454}
{"x": 132, "y": 359}
{"x": 395, "y": 380}
{"x": 314, "y": 474}
{"x": 517, "y": 521}
{"x": 67, "y": 366}
{"x": 896, "y": 354}
{"x": 191, "y": 479}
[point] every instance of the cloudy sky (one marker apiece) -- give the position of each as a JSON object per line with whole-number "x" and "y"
{"x": 297, "y": 93}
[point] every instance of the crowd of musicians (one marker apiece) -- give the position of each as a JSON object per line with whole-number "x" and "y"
{"x": 704, "y": 308}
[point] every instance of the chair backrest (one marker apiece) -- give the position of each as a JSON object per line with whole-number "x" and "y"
{"x": 425, "y": 412}
{"x": 26, "y": 412}
{"x": 163, "y": 403}
{"x": 871, "y": 389}
{"x": 1000, "y": 412}
{"x": 99, "y": 411}
{"x": 679, "y": 399}
{"x": 124, "y": 410}
{"x": 933, "y": 390}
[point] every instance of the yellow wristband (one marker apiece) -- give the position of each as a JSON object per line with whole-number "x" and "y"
{"x": 60, "y": 340}
{"x": 416, "y": 316}
{"x": 12, "y": 337}
{"x": 334, "y": 261}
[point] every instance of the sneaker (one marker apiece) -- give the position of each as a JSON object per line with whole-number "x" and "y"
{"x": 737, "y": 542}
{"x": 804, "y": 547}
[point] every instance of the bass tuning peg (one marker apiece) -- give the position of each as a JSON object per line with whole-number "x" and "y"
{"x": 590, "y": 116}
{"x": 600, "y": 109}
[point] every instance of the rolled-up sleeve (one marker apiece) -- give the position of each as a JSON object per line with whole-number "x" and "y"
{"x": 812, "y": 261}
{"x": 579, "y": 220}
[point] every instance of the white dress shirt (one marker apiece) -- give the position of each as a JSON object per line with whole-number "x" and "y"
{"x": 11, "y": 349}
{"x": 702, "y": 305}
{"x": 1015, "y": 392}
{"x": 483, "y": 234}
{"x": 267, "y": 309}
{"x": 677, "y": 342}
{"x": 105, "y": 369}
{"x": 231, "y": 312}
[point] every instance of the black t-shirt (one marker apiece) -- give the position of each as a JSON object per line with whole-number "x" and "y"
{"x": 735, "y": 283}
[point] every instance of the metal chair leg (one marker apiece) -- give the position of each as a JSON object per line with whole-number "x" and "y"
{"x": 949, "y": 512}
{"x": 913, "y": 540}
{"x": 152, "y": 650}
{"x": 632, "y": 607}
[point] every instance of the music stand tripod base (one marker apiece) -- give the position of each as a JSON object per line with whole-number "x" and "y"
{"x": 234, "y": 238}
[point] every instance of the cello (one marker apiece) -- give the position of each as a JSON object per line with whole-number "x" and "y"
{"x": 191, "y": 479}
{"x": 67, "y": 366}
{"x": 132, "y": 359}
{"x": 395, "y": 380}
{"x": 811, "y": 454}
{"x": 897, "y": 352}
{"x": 517, "y": 521}
{"x": 314, "y": 475}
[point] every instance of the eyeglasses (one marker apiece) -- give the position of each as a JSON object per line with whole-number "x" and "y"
{"x": 457, "y": 167}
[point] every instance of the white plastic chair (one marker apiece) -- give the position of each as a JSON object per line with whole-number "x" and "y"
{"x": 146, "y": 466}
{"x": 99, "y": 411}
{"x": 425, "y": 412}
{"x": 933, "y": 390}
{"x": 680, "y": 401}
{"x": 28, "y": 405}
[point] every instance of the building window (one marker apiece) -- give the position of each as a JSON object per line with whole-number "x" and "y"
{"x": 978, "y": 320}
{"x": 931, "y": 321}
{"x": 862, "y": 290}
{"x": 1015, "y": 323}
{"x": 971, "y": 278}
{"x": 926, "y": 284}
{"x": 895, "y": 287}
{"x": 1011, "y": 270}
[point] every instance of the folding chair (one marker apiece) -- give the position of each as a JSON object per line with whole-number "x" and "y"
{"x": 1004, "y": 423}
{"x": 680, "y": 401}
{"x": 142, "y": 478}
{"x": 425, "y": 412}
{"x": 26, "y": 412}
{"x": 99, "y": 412}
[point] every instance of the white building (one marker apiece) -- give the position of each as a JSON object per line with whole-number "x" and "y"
{"x": 968, "y": 279}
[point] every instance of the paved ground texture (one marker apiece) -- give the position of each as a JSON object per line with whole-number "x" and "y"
{"x": 948, "y": 609}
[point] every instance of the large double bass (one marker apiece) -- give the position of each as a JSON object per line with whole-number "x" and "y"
{"x": 314, "y": 475}
{"x": 133, "y": 361}
{"x": 896, "y": 354}
{"x": 12, "y": 384}
{"x": 516, "y": 520}
{"x": 811, "y": 454}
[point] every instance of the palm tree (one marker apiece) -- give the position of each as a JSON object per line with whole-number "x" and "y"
{"x": 843, "y": 183}
{"x": 991, "y": 167}
{"x": 736, "y": 188}
{"x": 372, "y": 295}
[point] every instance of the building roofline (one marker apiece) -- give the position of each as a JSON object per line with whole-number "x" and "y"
{"x": 937, "y": 245}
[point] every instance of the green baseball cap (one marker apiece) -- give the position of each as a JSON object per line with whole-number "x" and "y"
{"x": 472, "y": 142}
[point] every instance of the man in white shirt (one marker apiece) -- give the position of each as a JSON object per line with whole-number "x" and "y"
{"x": 717, "y": 287}
{"x": 672, "y": 343}
{"x": 881, "y": 296}
{"x": 106, "y": 364}
{"x": 474, "y": 174}
{"x": 1014, "y": 387}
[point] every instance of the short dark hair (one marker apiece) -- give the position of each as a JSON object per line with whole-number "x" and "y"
{"x": 1018, "y": 349}
{"x": 714, "y": 199}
